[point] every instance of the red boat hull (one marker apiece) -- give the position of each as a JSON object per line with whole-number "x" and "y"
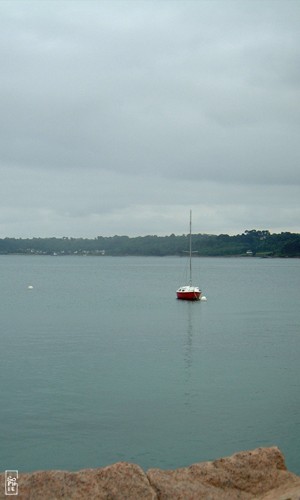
{"x": 189, "y": 295}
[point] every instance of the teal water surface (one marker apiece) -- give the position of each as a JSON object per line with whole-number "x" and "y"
{"x": 100, "y": 363}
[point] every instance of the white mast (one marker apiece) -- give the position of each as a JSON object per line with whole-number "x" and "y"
{"x": 190, "y": 247}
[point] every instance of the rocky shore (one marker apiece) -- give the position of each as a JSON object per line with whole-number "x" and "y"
{"x": 257, "y": 474}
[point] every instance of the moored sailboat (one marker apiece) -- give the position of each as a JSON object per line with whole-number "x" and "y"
{"x": 189, "y": 292}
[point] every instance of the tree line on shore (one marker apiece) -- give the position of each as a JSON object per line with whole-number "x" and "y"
{"x": 251, "y": 243}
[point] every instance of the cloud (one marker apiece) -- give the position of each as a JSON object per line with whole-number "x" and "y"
{"x": 118, "y": 116}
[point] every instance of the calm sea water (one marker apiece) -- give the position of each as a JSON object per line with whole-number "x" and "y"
{"x": 100, "y": 363}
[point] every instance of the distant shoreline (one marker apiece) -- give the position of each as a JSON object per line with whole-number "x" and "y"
{"x": 241, "y": 256}
{"x": 249, "y": 244}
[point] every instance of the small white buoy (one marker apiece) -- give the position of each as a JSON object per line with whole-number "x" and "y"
{"x": 203, "y": 298}
{"x": 30, "y": 287}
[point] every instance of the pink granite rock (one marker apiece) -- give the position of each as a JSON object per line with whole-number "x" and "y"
{"x": 245, "y": 475}
{"x": 120, "y": 481}
{"x": 258, "y": 474}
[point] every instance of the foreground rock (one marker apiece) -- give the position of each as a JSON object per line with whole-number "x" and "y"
{"x": 245, "y": 475}
{"x": 121, "y": 480}
{"x": 259, "y": 474}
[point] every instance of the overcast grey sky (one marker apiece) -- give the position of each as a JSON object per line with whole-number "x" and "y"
{"x": 117, "y": 117}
